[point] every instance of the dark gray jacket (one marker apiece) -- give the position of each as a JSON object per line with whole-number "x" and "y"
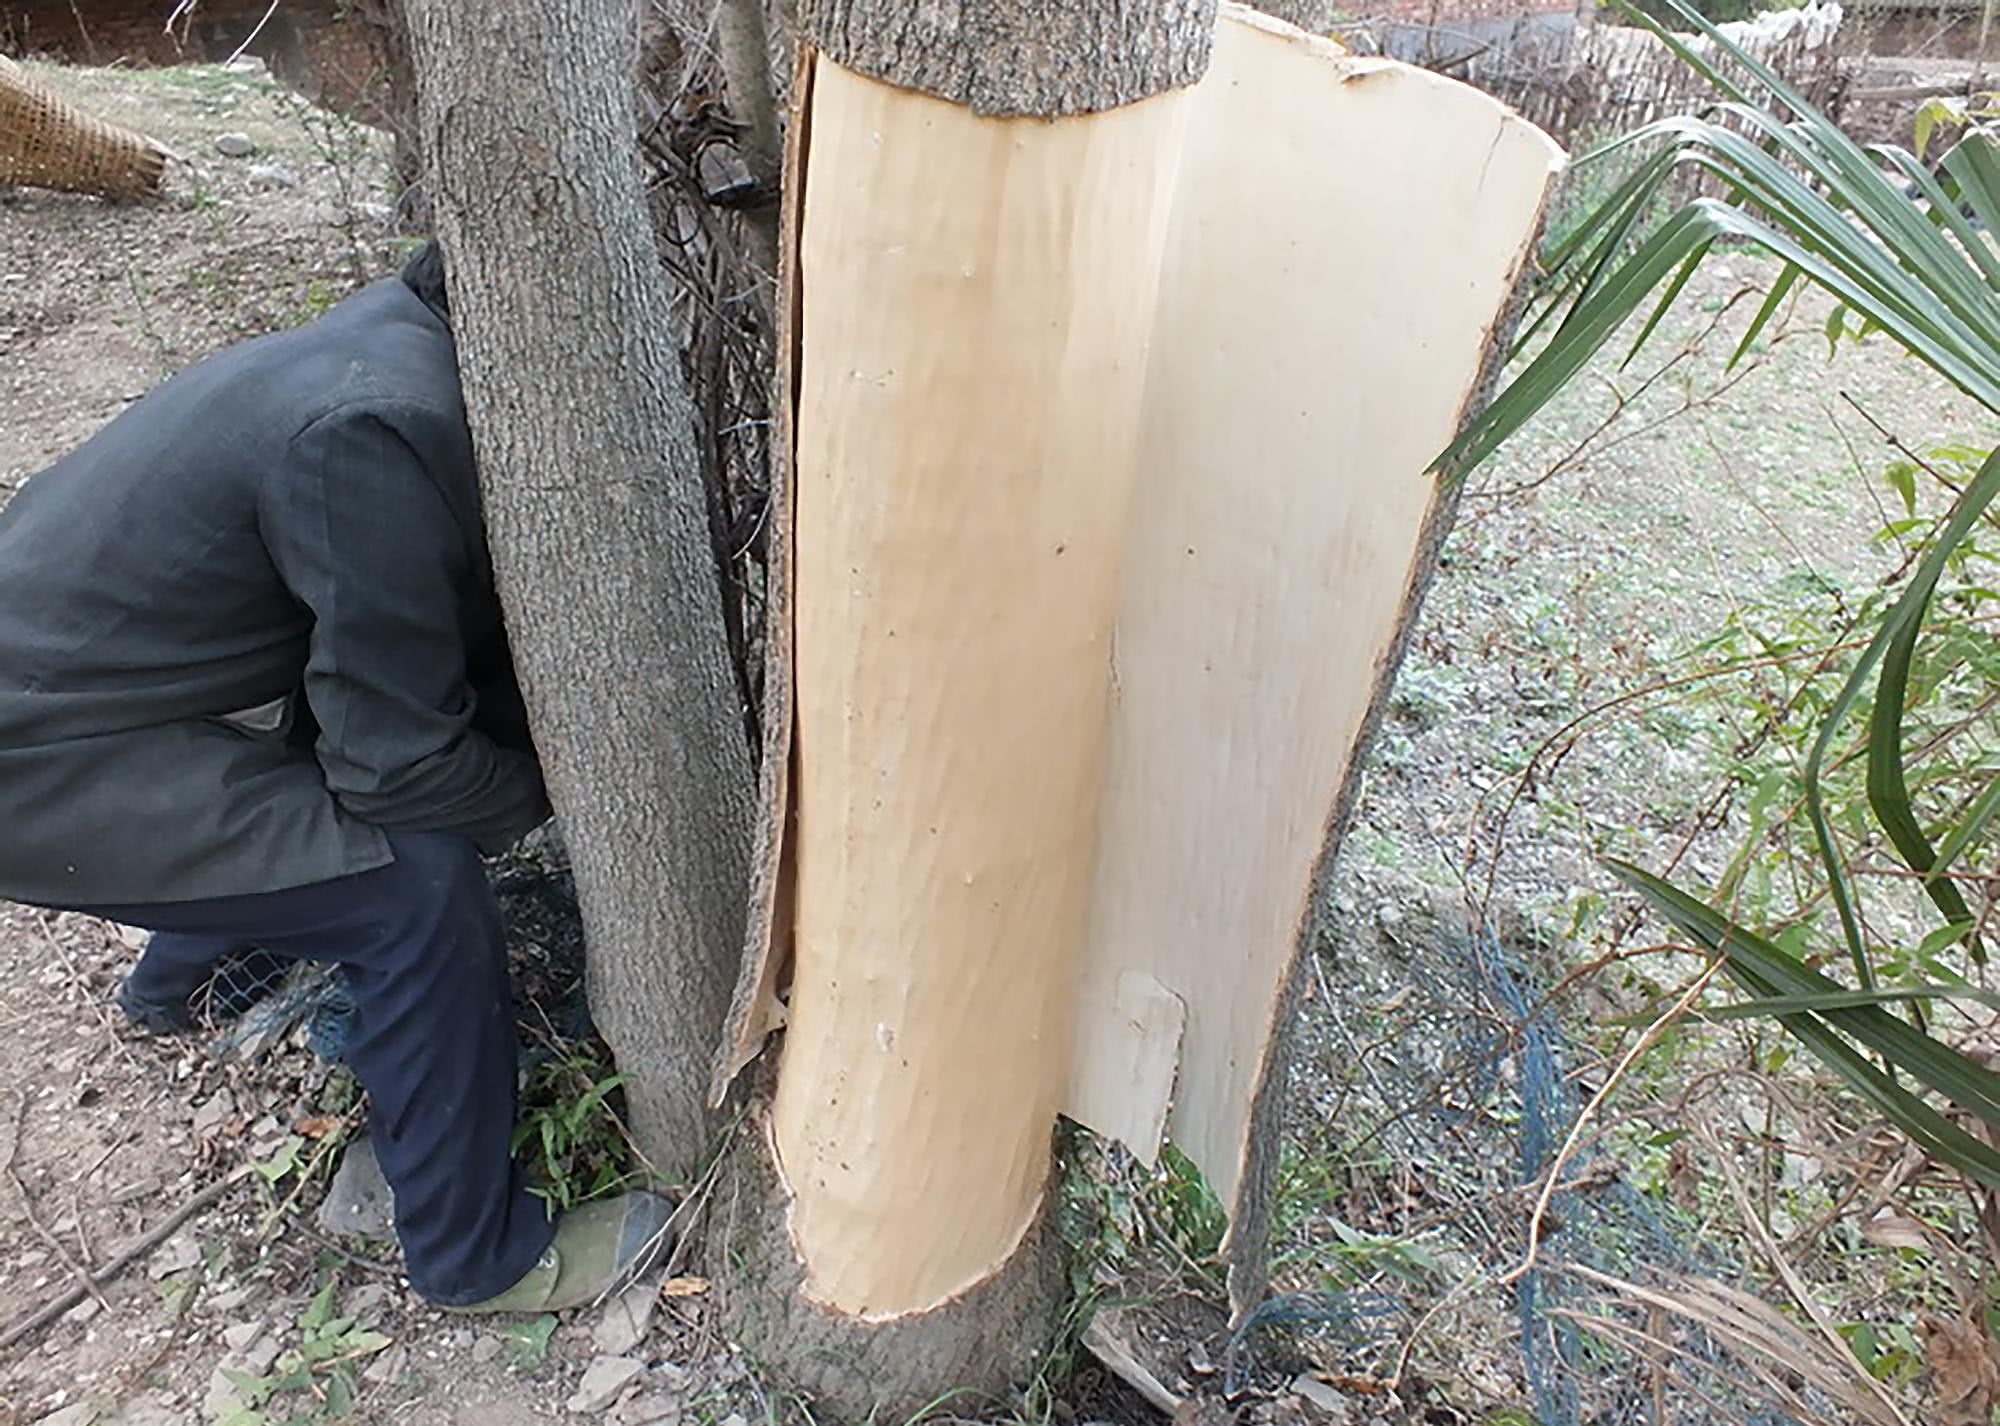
{"x": 248, "y": 625}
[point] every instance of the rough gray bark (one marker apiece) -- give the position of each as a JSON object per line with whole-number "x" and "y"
{"x": 596, "y": 515}
{"x": 1315, "y": 17}
{"x": 743, "y": 41}
{"x": 1043, "y": 58}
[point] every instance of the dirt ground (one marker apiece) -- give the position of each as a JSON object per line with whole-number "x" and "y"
{"x": 1553, "y": 596}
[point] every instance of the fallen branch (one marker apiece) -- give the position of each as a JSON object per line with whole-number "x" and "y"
{"x": 55, "y": 1308}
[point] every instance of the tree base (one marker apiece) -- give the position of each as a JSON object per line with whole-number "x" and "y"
{"x": 976, "y": 1349}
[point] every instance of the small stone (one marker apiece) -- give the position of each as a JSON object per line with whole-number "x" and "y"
{"x": 654, "y": 1408}
{"x": 735, "y": 1418}
{"x": 273, "y": 175}
{"x": 234, "y": 145}
{"x": 146, "y": 1410}
{"x": 602, "y": 1380}
{"x": 212, "y": 1111}
{"x": 260, "y": 1354}
{"x": 241, "y": 1335}
{"x": 81, "y": 1414}
{"x": 1327, "y": 1401}
{"x": 176, "y": 1255}
{"x": 626, "y": 1319}
{"x": 369, "y": 1297}
{"x": 229, "y": 1299}
{"x": 387, "y": 1367}
{"x": 255, "y": 1359}
{"x": 358, "y": 1202}
{"x": 83, "y": 1311}
{"x": 486, "y": 1348}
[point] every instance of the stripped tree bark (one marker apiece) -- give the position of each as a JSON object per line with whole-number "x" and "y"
{"x": 889, "y": 1238}
{"x": 597, "y": 519}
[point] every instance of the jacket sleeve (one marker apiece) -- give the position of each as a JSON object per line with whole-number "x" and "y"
{"x": 364, "y": 539}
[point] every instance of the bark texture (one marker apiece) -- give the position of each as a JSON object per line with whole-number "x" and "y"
{"x": 965, "y": 1356}
{"x": 1315, "y": 17}
{"x": 1040, "y": 58}
{"x": 597, "y": 518}
{"x": 743, "y": 42}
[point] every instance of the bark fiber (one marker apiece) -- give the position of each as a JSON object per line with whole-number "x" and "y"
{"x": 1037, "y": 58}
{"x": 596, "y": 515}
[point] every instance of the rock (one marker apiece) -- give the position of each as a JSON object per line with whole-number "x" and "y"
{"x": 1323, "y": 1398}
{"x": 83, "y": 1311}
{"x": 234, "y": 145}
{"x": 358, "y": 1203}
{"x": 81, "y": 1414}
{"x": 241, "y": 1335}
{"x": 602, "y": 1380}
{"x": 486, "y": 1348}
{"x": 273, "y": 175}
{"x": 365, "y": 1299}
{"x": 229, "y": 1299}
{"x": 147, "y": 1410}
{"x": 176, "y": 1255}
{"x": 255, "y": 1358}
{"x": 212, "y": 1111}
{"x": 387, "y": 1367}
{"x": 653, "y": 1408}
{"x": 626, "y": 1319}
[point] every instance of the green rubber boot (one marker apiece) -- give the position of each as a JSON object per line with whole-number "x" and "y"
{"x": 598, "y": 1248}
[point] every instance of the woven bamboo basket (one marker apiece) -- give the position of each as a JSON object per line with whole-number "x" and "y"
{"x": 47, "y": 142}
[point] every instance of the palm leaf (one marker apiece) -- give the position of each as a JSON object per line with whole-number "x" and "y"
{"x": 1768, "y": 973}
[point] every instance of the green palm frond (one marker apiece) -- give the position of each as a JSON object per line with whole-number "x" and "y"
{"x": 1905, "y": 250}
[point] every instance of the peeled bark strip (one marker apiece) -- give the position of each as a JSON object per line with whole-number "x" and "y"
{"x": 1040, "y": 58}
{"x": 1250, "y": 1213}
{"x": 596, "y": 516}
{"x": 1327, "y": 298}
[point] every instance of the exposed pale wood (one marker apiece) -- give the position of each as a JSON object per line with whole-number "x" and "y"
{"x": 975, "y": 301}
{"x": 598, "y": 523}
{"x": 1251, "y": 1211}
{"x": 1126, "y": 1063}
{"x": 1044, "y": 58}
{"x": 1324, "y": 307}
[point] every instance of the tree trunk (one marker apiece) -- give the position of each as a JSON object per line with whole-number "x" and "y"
{"x": 743, "y": 42}
{"x": 1040, "y": 58}
{"x": 596, "y": 516}
{"x": 895, "y": 1204}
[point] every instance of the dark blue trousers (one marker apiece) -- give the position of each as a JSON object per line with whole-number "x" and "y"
{"x": 432, "y": 1040}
